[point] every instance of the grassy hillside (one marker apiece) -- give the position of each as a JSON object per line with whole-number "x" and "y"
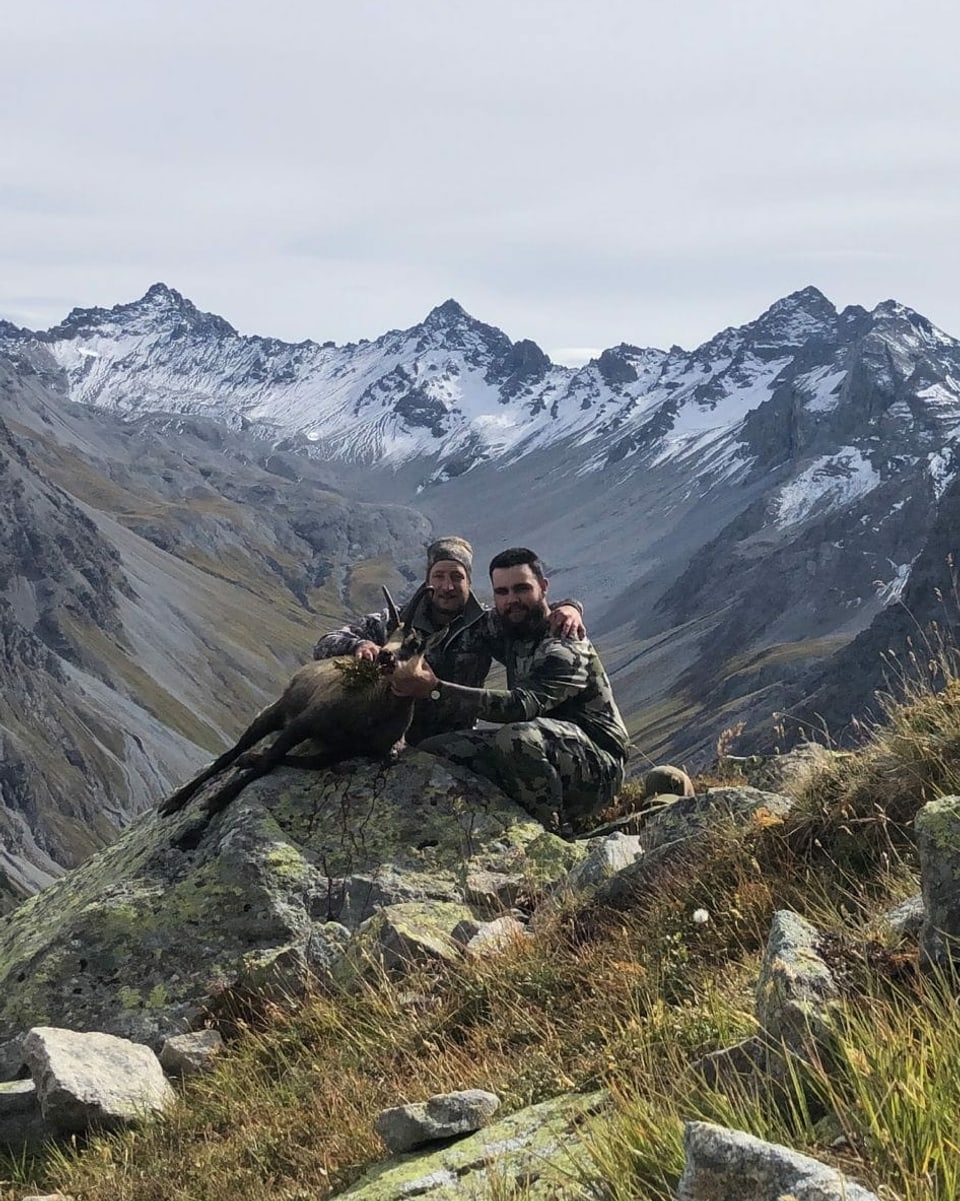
{"x": 625, "y": 1000}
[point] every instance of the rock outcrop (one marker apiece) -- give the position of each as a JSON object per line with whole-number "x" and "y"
{"x": 306, "y": 871}
{"x": 728, "y": 1165}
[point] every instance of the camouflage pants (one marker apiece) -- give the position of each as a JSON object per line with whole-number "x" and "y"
{"x": 550, "y": 768}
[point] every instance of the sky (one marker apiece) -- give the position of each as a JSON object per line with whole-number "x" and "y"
{"x": 578, "y": 172}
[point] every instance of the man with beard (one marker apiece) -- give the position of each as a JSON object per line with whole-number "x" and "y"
{"x": 561, "y": 746}
{"x": 466, "y": 637}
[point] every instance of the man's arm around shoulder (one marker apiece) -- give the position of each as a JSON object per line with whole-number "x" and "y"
{"x": 350, "y": 639}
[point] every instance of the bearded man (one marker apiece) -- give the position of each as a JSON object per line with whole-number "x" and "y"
{"x": 561, "y": 745}
{"x": 466, "y": 636}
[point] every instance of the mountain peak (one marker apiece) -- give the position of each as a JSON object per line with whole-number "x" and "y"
{"x": 451, "y": 326}
{"x": 796, "y": 318}
{"x": 162, "y": 293}
{"x": 893, "y": 314}
{"x": 450, "y": 313}
{"x": 160, "y": 307}
{"x": 809, "y": 300}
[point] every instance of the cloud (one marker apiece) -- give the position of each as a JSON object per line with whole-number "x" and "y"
{"x": 574, "y": 356}
{"x": 627, "y": 171}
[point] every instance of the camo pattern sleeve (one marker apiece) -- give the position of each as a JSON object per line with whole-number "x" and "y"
{"x": 559, "y": 677}
{"x": 372, "y": 627}
{"x": 542, "y": 676}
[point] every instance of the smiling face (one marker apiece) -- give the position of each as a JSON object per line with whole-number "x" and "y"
{"x": 520, "y": 597}
{"x": 451, "y": 588}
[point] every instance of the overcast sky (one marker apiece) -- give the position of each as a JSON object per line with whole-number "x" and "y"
{"x": 580, "y": 173}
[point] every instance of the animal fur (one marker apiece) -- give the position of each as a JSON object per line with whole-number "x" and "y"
{"x": 335, "y": 702}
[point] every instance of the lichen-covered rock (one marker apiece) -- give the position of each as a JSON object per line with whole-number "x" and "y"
{"x": 796, "y": 988}
{"x": 493, "y": 938}
{"x": 188, "y": 1054}
{"x": 538, "y": 1151}
{"x": 445, "y": 1115}
{"x": 399, "y": 937}
{"x": 684, "y": 825}
{"x": 605, "y": 857}
{"x": 549, "y": 859}
{"x": 787, "y": 773}
{"x": 94, "y": 1081}
{"x": 904, "y": 919}
{"x": 728, "y": 1165}
{"x": 132, "y": 941}
{"x": 938, "y": 846}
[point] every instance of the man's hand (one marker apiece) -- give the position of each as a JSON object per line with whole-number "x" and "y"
{"x": 366, "y": 650}
{"x": 566, "y": 621}
{"x": 414, "y": 678}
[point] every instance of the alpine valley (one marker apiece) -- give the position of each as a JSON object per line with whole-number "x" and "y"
{"x": 751, "y": 526}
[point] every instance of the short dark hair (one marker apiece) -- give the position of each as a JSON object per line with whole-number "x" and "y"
{"x": 518, "y": 556}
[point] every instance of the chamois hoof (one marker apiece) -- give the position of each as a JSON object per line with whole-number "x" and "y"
{"x": 393, "y": 755}
{"x": 177, "y": 800}
{"x": 249, "y": 759}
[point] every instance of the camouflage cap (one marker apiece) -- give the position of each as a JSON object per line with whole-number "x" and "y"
{"x": 451, "y": 547}
{"x": 667, "y": 780}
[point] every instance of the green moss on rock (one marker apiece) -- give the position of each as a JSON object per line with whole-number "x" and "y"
{"x": 132, "y": 941}
{"x": 539, "y": 1150}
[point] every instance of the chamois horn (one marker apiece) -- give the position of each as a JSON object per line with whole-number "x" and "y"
{"x": 412, "y": 605}
{"x": 392, "y": 609}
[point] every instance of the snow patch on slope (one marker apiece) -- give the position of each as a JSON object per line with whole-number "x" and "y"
{"x": 698, "y": 424}
{"x": 820, "y": 388}
{"x": 830, "y": 482}
{"x": 941, "y": 468}
{"x": 890, "y": 591}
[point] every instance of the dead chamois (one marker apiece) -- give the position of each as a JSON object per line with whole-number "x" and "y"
{"x": 344, "y": 703}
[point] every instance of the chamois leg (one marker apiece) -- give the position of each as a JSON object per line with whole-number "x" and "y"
{"x": 267, "y": 720}
{"x": 311, "y": 762}
{"x": 297, "y": 731}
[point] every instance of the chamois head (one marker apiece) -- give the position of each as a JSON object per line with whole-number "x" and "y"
{"x": 404, "y": 642}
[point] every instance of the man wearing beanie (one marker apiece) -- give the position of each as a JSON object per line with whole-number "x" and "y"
{"x": 560, "y": 745}
{"x": 468, "y": 638}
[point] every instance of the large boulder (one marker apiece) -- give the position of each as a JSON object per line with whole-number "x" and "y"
{"x": 537, "y": 1153}
{"x": 683, "y": 827}
{"x": 796, "y": 992}
{"x": 94, "y": 1081}
{"x": 132, "y": 941}
{"x": 442, "y": 1116}
{"x": 729, "y": 1165}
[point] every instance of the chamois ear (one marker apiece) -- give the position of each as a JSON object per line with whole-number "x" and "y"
{"x": 423, "y": 590}
{"x": 392, "y": 610}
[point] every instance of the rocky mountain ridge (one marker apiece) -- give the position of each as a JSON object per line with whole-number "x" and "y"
{"x": 152, "y": 597}
{"x": 733, "y": 516}
{"x": 457, "y": 389}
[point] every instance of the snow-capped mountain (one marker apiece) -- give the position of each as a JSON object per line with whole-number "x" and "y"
{"x": 459, "y": 392}
{"x": 733, "y": 516}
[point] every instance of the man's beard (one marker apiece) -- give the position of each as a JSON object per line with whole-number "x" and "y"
{"x": 533, "y": 622}
{"x": 446, "y": 615}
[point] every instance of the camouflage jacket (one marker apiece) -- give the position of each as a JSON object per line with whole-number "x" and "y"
{"x": 557, "y": 677}
{"x": 462, "y": 656}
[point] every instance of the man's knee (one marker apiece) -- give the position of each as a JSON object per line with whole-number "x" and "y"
{"x": 459, "y": 746}
{"x": 518, "y": 738}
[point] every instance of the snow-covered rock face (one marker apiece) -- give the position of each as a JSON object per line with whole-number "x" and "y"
{"x": 460, "y": 390}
